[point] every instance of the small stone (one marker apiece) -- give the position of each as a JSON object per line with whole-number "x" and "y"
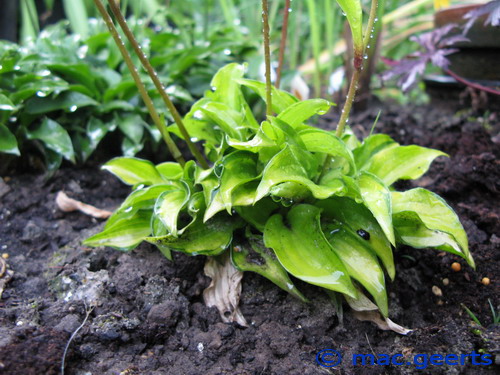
{"x": 446, "y": 282}
{"x": 437, "y": 291}
{"x": 456, "y": 266}
{"x": 485, "y": 281}
{"x": 69, "y": 323}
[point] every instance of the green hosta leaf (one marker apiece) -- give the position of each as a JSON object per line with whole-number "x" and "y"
{"x": 240, "y": 167}
{"x": 209, "y": 238}
{"x": 76, "y": 73}
{"x": 8, "y": 142}
{"x": 170, "y": 170}
{"x": 258, "y": 214}
{"x": 226, "y": 86}
{"x": 97, "y": 130}
{"x": 227, "y": 90}
{"x": 55, "y": 138}
{"x": 354, "y": 13}
{"x": 257, "y": 143}
{"x": 402, "y": 162}
{"x": 377, "y": 197}
{"x": 124, "y": 234}
{"x": 6, "y": 104}
{"x": 134, "y": 171}
{"x": 302, "y": 249}
{"x": 169, "y": 206}
{"x": 299, "y": 112}
{"x": 359, "y": 261}
{"x": 68, "y": 101}
{"x": 281, "y": 99}
{"x": 358, "y": 217}
{"x": 139, "y": 199}
{"x": 255, "y": 257}
{"x": 412, "y": 231}
{"x": 227, "y": 119}
{"x": 295, "y": 165}
{"x": 132, "y": 126}
{"x": 317, "y": 140}
{"x": 371, "y": 145}
{"x": 434, "y": 213}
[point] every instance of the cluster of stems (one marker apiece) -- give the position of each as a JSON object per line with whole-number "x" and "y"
{"x": 159, "y": 121}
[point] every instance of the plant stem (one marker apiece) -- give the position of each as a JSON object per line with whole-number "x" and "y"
{"x": 284, "y": 33}
{"x": 156, "y": 80}
{"x": 174, "y": 150}
{"x": 316, "y": 45}
{"x": 358, "y": 67}
{"x": 474, "y": 85}
{"x": 267, "y": 55}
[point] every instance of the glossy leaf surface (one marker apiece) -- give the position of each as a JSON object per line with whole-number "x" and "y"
{"x": 134, "y": 171}
{"x": 303, "y": 250}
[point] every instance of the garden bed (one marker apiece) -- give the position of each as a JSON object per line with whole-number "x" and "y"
{"x": 148, "y": 315}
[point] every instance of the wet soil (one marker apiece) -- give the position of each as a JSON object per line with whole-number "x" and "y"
{"x": 141, "y": 314}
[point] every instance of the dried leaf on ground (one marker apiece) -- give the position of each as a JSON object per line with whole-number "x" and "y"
{"x": 225, "y": 289}
{"x": 67, "y": 204}
{"x": 5, "y": 275}
{"x": 366, "y": 310}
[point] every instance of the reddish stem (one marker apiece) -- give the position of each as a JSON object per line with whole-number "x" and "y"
{"x": 472, "y": 84}
{"x": 284, "y": 33}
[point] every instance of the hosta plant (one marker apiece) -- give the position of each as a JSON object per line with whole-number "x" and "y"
{"x": 281, "y": 197}
{"x": 269, "y": 201}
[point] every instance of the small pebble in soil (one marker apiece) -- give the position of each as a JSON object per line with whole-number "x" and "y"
{"x": 485, "y": 281}
{"x": 456, "y": 266}
{"x": 437, "y": 291}
{"x": 446, "y": 282}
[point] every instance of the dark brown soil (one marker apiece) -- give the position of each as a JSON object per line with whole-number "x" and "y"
{"x": 148, "y": 316}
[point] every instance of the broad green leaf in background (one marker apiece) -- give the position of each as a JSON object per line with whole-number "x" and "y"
{"x": 435, "y": 213}
{"x": 358, "y": 217}
{"x": 124, "y": 234}
{"x": 354, "y": 13}
{"x": 134, "y": 171}
{"x": 255, "y": 257}
{"x": 8, "y": 142}
{"x": 6, "y": 104}
{"x": 402, "y": 162}
{"x": 77, "y": 15}
{"x": 359, "y": 261}
{"x": 209, "y": 238}
{"x": 68, "y": 101}
{"x": 55, "y": 137}
{"x": 302, "y": 249}
{"x": 377, "y": 197}
{"x": 258, "y": 213}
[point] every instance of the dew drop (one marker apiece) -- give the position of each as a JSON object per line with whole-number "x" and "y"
{"x": 41, "y": 94}
{"x": 128, "y": 209}
{"x": 73, "y": 108}
{"x": 17, "y": 67}
{"x": 368, "y": 46}
{"x": 344, "y": 14}
{"x": 365, "y": 57}
{"x": 227, "y": 52}
{"x": 237, "y": 22}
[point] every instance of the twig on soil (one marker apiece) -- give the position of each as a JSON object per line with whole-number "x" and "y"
{"x": 67, "y": 204}
{"x": 370, "y": 345}
{"x": 73, "y": 335}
